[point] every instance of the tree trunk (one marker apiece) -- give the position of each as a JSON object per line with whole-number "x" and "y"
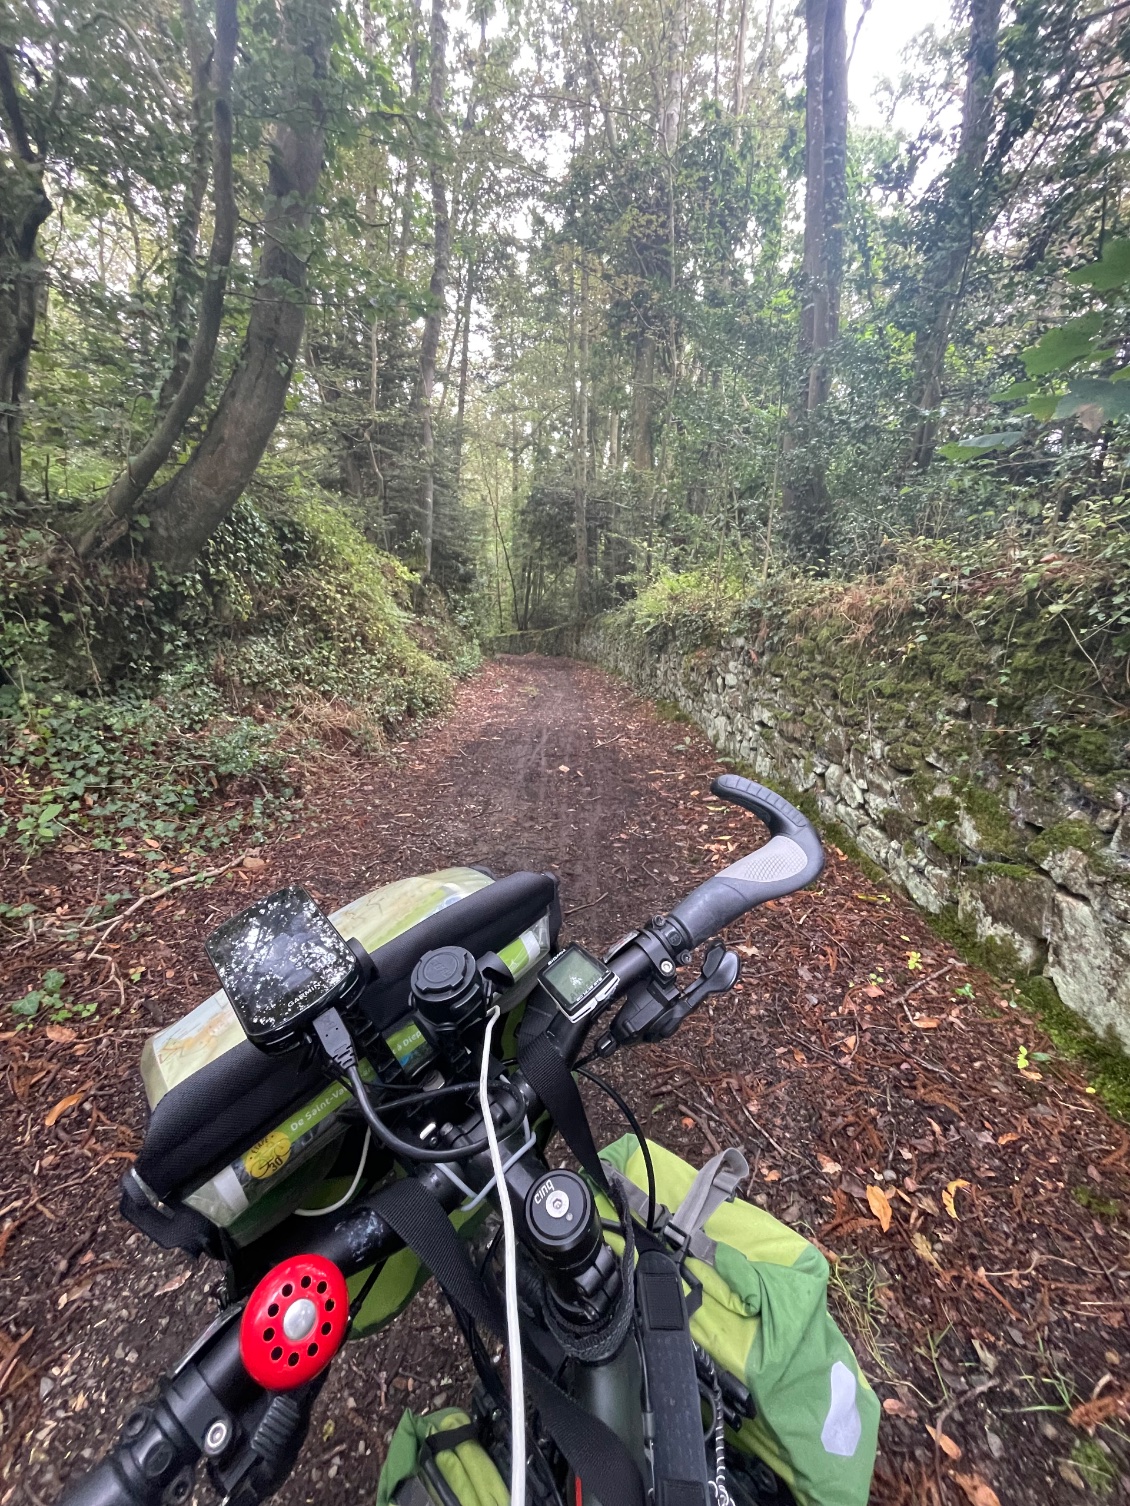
{"x": 739, "y": 58}
{"x": 953, "y": 229}
{"x": 437, "y": 287}
{"x": 109, "y": 518}
{"x": 643, "y": 393}
{"x": 188, "y": 228}
{"x": 464, "y": 371}
{"x": 187, "y": 510}
{"x": 806, "y": 503}
{"x": 581, "y": 455}
{"x": 24, "y": 206}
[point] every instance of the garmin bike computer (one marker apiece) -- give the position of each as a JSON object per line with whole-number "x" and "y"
{"x": 281, "y": 962}
{"x": 578, "y": 982}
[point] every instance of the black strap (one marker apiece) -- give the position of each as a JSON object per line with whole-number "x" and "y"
{"x": 593, "y": 1450}
{"x": 550, "y": 1078}
{"x": 445, "y": 1438}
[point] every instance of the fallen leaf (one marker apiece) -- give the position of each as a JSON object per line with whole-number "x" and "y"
{"x": 771, "y": 1176}
{"x": 926, "y": 1022}
{"x": 923, "y": 1248}
{"x": 871, "y": 992}
{"x": 893, "y": 1407}
{"x": 254, "y": 864}
{"x": 1092, "y": 1414}
{"x": 64, "y": 1106}
{"x": 62, "y": 1034}
{"x": 174, "y": 1283}
{"x": 829, "y": 1167}
{"x": 880, "y": 1205}
{"x": 151, "y": 843}
{"x": 848, "y": 1042}
{"x": 948, "y": 1447}
{"x": 976, "y": 1491}
{"x": 948, "y": 1196}
{"x": 799, "y": 1056}
{"x": 1031, "y": 1074}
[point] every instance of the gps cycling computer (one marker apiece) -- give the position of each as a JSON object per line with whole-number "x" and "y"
{"x": 281, "y": 962}
{"x": 578, "y": 982}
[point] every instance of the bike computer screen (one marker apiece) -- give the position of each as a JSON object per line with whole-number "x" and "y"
{"x": 280, "y": 962}
{"x": 577, "y": 982}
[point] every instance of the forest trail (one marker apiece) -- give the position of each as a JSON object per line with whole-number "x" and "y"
{"x": 858, "y": 1053}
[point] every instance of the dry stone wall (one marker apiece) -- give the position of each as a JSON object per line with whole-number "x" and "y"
{"x": 1026, "y": 853}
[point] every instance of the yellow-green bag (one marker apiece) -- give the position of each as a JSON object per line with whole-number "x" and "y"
{"x": 764, "y": 1318}
{"x": 465, "y": 1465}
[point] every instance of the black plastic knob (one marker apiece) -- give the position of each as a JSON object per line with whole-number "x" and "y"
{"x": 446, "y": 988}
{"x": 561, "y": 1219}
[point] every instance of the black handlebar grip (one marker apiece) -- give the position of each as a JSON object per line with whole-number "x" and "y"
{"x": 153, "y": 1462}
{"x": 791, "y": 858}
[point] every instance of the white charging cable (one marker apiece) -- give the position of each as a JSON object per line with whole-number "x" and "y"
{"x": 510, "y": 1273}
{"x": 353, "y": 1186}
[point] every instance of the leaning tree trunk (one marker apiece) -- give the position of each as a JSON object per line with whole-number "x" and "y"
{"x": 197, "y": 45}
{"x": 109, "y": 518}
{"x": 437, "y": 287}
{"x": 187, "y": 510}
{"x": 806, "y": 503}
{"x": 953, "y": 229}
{"x": 24, "y": 206}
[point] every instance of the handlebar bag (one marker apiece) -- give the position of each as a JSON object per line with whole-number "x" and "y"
{"x": 237, "y": 1139}
{"x": 444, "y": 1441}
{"x": 764, "y": 1317}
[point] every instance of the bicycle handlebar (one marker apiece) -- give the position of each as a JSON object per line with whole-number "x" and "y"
{"x": 791, "y": 858}
{"x": 157, "y": 1451}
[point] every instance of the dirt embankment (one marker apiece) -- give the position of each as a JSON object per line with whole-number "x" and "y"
{"x": 891, "y": 1103}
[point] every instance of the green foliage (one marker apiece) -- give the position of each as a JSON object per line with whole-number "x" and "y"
{"x": 183, "y": 739}
{"x": 51, "y": 999}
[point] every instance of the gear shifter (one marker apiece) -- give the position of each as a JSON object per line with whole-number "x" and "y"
{"x": 653, "y": 1011}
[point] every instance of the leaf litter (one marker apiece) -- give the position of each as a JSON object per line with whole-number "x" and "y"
{"x": 857, "y": 1118}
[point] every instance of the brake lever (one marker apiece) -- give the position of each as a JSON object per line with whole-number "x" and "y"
{"x": 721, "y": 969}
{"x": 653, "y": 1011}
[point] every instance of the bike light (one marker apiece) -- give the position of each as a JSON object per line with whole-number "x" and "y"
{"x": 294, "y": 1322}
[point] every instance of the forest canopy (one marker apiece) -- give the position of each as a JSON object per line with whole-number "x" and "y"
{"x": 545, "y": 301}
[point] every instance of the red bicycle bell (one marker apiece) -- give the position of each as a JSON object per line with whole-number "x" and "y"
{"x": 294, "y": 1322}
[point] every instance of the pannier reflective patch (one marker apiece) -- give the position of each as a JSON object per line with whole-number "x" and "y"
{"x": 843, "y": 1425}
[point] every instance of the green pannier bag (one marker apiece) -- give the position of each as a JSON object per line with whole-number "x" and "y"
{"x": 764, "y": 1317}
{"x": 442, "y": 1441}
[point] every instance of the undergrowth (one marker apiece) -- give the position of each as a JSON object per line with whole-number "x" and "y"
{"x": 138, "y": 709}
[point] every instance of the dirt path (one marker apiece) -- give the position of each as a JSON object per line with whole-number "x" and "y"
{"x": 858, "y": 1053}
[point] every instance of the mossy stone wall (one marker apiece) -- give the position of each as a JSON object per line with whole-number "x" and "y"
{"x": 971, "y": 773}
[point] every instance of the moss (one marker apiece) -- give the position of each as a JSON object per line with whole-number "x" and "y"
{"x": 1094, "y": 1202}
{"x": 984, "y": 871}
{"x": 994, "y": 826}
{"x": 1095, "y": 1465}
{"x": 668, "y": 711}
{"x": 1062, "y": 836}
{"x": 1105, "y": 1062}
{"x": 1086, "y": 747}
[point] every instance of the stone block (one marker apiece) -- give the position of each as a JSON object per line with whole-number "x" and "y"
{"x": 1091, "y": 973}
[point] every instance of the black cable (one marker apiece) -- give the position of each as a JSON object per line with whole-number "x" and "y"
{"x": 405, "y": 1148}
{"x": 634, "y": 1123}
